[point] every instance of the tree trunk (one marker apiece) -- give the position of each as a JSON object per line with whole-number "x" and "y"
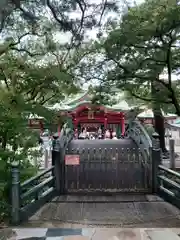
{"x": 159, "y": 128}
{"x": 158, "y": 116}
{"x": 4, "y": 140}
{"x": 172, "y": 93}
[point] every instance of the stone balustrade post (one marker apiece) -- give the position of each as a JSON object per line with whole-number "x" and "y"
{"x": 172, "y": 153}
{"x": 15, "y": 193}
{"x": 56, "y": 162}
{"x": 156, "y": 158}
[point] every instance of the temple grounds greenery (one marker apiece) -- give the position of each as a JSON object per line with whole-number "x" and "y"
{"x": 37, "y": 69}
{"x": 139, "y": 54}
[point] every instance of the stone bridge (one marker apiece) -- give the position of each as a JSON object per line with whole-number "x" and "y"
{"x": 100, "y": 183}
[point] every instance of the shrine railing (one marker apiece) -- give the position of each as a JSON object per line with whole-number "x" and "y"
{"x": 165, "y": 181}
{"x": 137, "y": 132}
{"x": 66, "y": 135}
{"x": 27, "y": 197}
{"x": 172, "y": 131}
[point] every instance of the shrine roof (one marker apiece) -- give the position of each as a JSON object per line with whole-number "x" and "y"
{"x": 175, "y": 124}
{"x": 148, "y": 113}
{"x": 35, "y": 116}
{"x": 82, "y": 98}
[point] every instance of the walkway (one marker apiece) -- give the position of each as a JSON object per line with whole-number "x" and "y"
{"x": 110, "y": 211}
{"x": 90, "y": 234}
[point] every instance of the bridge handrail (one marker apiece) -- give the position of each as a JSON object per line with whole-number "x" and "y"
{"x": 66, "y": 135}
{"x": 169, "y": 184}
{"x": 144, "y": 132}
{"x": 30, "y": 195}
{"x": 138, "y": 133}
{"x": 32, "y": 179}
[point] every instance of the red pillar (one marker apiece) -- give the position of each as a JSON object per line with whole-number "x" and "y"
{"x": 122, "y": 124}
{"x": 75, "y": 122}
{"x": 41, "y": 127}
{"x": 105, "y": 123}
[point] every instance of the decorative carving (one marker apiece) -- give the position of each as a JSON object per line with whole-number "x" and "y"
{"x": 138, "y": 133}
{"x": 34, "y": 122}
{"x": 90, "y": 125}
{"x": 90, "y": 114}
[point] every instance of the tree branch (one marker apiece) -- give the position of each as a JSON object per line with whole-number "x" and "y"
{"x": 139, "y": 97}
{"x": 146, "y": 99}
{"x": 83, "y": 9}
{"x": 5, "y": 79}
{"x": 12, "y": 44}
{"x": 26, "y": 51}
{"x": 66, "y": 26}
{"x": 27, "y": 15}
{"x": 46, "y": 100}
{"x": 103, "y": 10}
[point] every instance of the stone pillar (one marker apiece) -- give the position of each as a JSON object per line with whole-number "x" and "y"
{"x": 172, "y": 154}
{"x": 46, "y": 158}
{"x": 15, "y": 193}
{"x": 156, "y": 158}
{"x": 59, "y": 166}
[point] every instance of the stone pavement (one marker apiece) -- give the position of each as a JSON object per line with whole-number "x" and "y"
{"x": 90, "y": 234}
{"x": 124, "y": 210}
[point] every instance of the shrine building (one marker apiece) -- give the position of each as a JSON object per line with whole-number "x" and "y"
{"x": 83, "y": 114}
{"x": 86, "y": 115}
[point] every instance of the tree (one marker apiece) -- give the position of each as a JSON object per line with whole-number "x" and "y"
{"x": 140, "y": 49}
{"x": 30, "y": 32}
{"x": 37, "y": 68}
{"x": 73, "y": 16}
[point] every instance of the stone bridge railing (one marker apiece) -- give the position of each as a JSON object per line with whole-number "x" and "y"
{"x": 138, "y": 133}
{"x": 66, "y": 135}
{"x": 166, "y": 182}
{"x": 27, "y": 197}
{"x": 172, "y": 131}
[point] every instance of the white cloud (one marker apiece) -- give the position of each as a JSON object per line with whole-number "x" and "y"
{"x": 165, "y": 77}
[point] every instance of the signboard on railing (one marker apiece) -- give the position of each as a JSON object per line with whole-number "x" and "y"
{"x": 72, "y": 160}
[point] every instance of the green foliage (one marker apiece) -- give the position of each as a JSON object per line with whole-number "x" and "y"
{"x": 143, "y": 46}
{"x": 16, "y": 142}
{"x": 37, "y": 69}
{"x": 26, "y": 171}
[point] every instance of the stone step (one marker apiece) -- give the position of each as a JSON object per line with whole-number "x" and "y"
{"x": 124, "y": 197}
{"x": 108, "y": 214}
{"x": 64, "y": 233}
{"x": 162, "y": 234}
